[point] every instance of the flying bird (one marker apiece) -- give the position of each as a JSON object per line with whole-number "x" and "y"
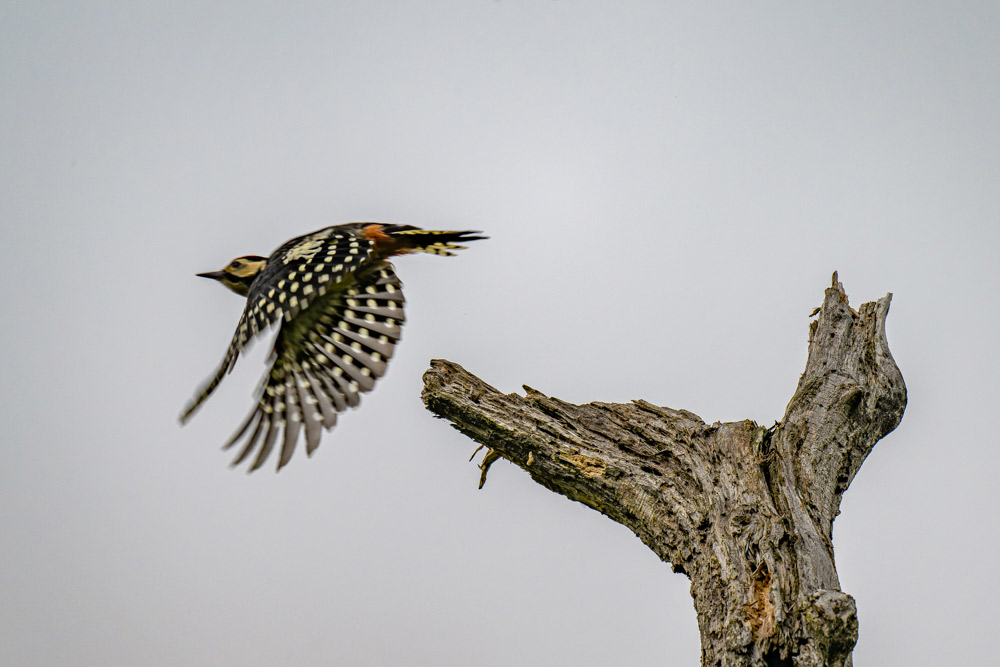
{"x": 338, "y": 306}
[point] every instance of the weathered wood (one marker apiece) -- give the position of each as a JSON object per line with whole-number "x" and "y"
{"x": 745, "y": 511}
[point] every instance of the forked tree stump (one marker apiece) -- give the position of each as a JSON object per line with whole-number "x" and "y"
{"x": 745, "y": 511}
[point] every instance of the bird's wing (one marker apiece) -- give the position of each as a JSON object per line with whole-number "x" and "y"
{"x": 297, "y": 274}
{"x": 324, "y": 359}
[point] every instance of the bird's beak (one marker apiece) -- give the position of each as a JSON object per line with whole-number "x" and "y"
{"x": 214, "y": 275}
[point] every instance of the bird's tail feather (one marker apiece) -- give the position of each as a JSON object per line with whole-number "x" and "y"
{"x": 435, "y": 242}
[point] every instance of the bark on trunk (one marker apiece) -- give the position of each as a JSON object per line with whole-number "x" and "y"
{"x": 745, "y": 511}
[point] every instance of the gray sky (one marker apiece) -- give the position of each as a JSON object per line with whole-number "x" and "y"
{"x": 667, "y": 187}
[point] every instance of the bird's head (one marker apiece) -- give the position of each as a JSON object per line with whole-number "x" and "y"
{"x": 239, "y": 274}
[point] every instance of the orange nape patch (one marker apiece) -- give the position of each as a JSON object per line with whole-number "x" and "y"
{"x": 385, "y": 244}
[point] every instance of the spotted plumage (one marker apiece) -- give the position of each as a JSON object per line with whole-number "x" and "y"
{"x": 338, "y": 308}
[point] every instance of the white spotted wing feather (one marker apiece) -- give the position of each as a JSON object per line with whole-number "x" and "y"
{"x": 324, "y": 359}
{"x": 297, "y": 274}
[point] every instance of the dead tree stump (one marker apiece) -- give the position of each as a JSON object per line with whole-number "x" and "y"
{"x": 745, "y": 511}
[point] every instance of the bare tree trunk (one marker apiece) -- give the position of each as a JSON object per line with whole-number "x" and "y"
{"x": 745, "y": 511}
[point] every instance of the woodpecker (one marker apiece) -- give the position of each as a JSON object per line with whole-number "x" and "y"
{"x": 338, "y": 308}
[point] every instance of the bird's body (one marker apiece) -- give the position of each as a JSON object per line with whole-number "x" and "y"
{"x": 339, "y": 308}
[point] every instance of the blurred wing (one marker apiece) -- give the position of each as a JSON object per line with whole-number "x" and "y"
{"x": 325, "y": 358}
{"x": 297, "y": 274}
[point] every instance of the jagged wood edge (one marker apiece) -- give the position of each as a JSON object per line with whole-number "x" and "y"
{"x": 555, "y": 441}
{"x": 681, "y": 484}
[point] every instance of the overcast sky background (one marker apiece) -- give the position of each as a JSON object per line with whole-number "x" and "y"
{"x": 668, "y": 188}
